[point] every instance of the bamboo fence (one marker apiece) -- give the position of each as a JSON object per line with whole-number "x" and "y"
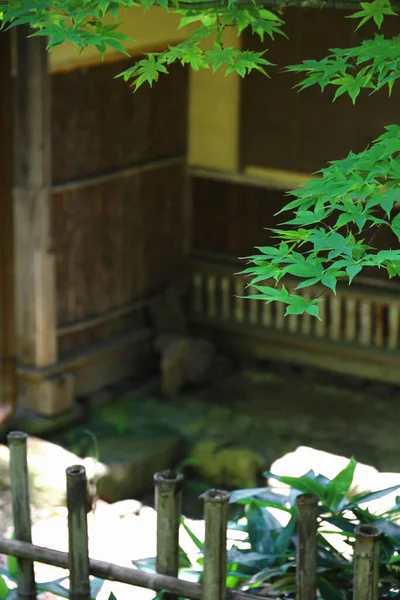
{"x": 168, "y": 496}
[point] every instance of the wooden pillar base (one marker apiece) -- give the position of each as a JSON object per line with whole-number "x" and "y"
{"x": 48, "y": 397}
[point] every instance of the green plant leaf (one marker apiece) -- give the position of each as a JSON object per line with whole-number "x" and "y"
{"x": 340, "y": 485}
{"x": 370, "y": 496}
{"x": 302, "y": 484}
{"x": 3, "y": 589}
{"x": 328, "y": 591}
{"x": 198, "y": 543}
{"x": 54, "y": 587}
{"x": 12, "y": 565}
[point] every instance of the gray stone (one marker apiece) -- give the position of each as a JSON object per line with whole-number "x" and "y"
{"x": 304, "y": 459}
{"x": 130, "y": 463}
{"x": 183, "y": 360}
{"x": 47, "y": 463}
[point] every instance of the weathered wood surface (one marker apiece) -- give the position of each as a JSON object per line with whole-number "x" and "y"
{"x": 7, "y": 362}
{"x": 358, "y": 332}
{"x": 283, "y": 129}
{"x": 34, "y": 259}
{"x": 99, "y": 125}
{"x": 119, "y": 212}
{"x": 118, "y": 242}
{"x": 230, "y": 218}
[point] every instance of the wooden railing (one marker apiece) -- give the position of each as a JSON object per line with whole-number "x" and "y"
{"x": 360, "y": 315}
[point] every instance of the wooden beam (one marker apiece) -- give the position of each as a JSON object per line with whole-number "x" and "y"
{"x": 34, "y": 280}
{"x": 7, "y": 369}
{"x": 35, "y": 272}
{"x": 255, "y": 343}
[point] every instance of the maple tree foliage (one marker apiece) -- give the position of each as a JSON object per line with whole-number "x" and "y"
{"x": 355, "y": 195}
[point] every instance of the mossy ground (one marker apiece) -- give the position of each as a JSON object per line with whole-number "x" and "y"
{"x": 271, "y": 409}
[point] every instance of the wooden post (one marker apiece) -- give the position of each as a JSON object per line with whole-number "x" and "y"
{"x": 216, "y": 504}
{"x": 366, "y": 563}
{"x": 21, "y": 511}
{"x": 7, "y": 368}
{"x": 306, "y": 588}
{"x": 35, "y": 291}
{"x": 78, "y": 546}
{"x": 168, "y": 500}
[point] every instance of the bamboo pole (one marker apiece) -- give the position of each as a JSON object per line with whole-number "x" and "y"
{"x": 77, "y": 498}
{"x": 366, "y": 563}
{"x": 216, "y": 504}
{"x": 21, "y": 511}
{"x": 307, "y": 505}
{"x": 111, "y": 572}
{"x": 168, "y": 502}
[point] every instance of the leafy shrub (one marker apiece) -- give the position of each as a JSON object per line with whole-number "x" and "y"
{"x": 264, "y": 561}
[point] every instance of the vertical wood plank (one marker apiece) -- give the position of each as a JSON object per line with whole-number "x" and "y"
{"x": 239, "y": 302}
{"x": 335, "y": 314}
{"x": 320, "y": 326}
{"x": 378, "y": 325}
{"x": 7, "y": 331}
{"x": 306, "y": 318}
{"x": 253, "y": 308}
{"x": 266, "y": 315}
{"x": 35, "y": 303}
{"x": 350, "y": 319}
{"x": 292, "y": 321}
{"x": 393, "y": 339}
{"x": 211, "y": 296}
{"x": 366, "y": 325}
{"x": 280, "y": 315}
{"x": 198, "y": 293}
{"x": 226, "y": 297}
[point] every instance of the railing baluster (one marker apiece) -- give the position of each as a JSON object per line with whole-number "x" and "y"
{"x": 253, "y": 308}
{"x": 198, "y": 293}
{"x": 393, "y": 338}
{"x": 211, "y": 296}
{"x": 216, "y": 505}
{"x": 168, "y": 501}
{"x": 293, "y": 323}
{"x": 306, "y": 318}
{"x": 378, "y": 325}
{"x": 365, "y": 321}
{"x": 335, "y": 320}
{"x": 239, "y": 302}
{"x": 267, "y": 315}
{"x": 21, "y": 511}
{"x": 280, "y": 315}
{"x": 320, "y": 325}
{"x": 350, "y": 319}
{"x": 77, "y": 504}
{"x": 226, "y": 297}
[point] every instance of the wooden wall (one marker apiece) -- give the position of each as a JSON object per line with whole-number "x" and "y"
{"x": 118, "y": 201}
{"x": 229, "y": 217}
{"x": 244, "y": 213}
{"x": 295, "y": 132}
{"x": 283, "y": 129}
{"x": 7, "y": 332}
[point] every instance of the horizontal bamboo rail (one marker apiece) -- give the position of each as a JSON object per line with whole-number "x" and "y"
{"x": 112, "y": 572}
